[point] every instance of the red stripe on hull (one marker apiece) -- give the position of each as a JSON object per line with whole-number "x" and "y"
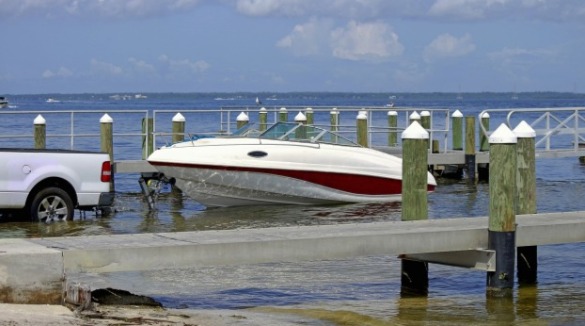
{"x": 351, "y": 183}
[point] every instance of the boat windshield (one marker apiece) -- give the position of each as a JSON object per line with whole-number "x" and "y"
{"x": 304, "y": 133}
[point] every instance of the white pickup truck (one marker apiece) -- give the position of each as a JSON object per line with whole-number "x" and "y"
{"x": 47, "y": 185}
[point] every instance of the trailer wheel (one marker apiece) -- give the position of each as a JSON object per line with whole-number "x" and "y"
{"x": 51, "y": 204}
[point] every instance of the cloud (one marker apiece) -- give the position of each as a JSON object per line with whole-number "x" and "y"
{"x": 93, "y": 8}
{"x": 309, "y": 38}
{"x": 448, "y": 46}
{"x": 365, "y": 41}
{"x": 371, "y": 41}
{"x": 519, "y": 58}
{"x": 62, "y": 72}
{"x": 105, "y": 68}
{"x": 184, "y": 65}
{"x": 142, "y": 66}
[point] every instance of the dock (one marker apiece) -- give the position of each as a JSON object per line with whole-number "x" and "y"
{"x": 61, "y": 258}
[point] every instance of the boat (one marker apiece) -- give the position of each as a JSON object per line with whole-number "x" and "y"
{"x": 3, "y": 102}
{"x": 289, "y": 163}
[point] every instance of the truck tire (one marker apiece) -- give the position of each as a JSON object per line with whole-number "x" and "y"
{"x": 50, "y": 204}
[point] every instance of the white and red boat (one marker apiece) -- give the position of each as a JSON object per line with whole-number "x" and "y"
{"x": 289, "y": 163}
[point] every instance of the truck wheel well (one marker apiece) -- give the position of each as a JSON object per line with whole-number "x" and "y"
{"x": 52, "y": 182}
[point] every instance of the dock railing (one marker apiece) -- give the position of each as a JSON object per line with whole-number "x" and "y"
{"x": 559, "y": 131}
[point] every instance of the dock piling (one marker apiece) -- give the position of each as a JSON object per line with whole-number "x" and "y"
{"x": 283, "y": 115}
{"x": 392, "y": 126}
{"x": 309, "y": 114}
{"x": 470, "y": 165}
{"x": 178, "y": 128}
{"x": 457, "y": 135}
{"x": 40, "y": 127}
{"x": 502, "y": 213}
{"x": 414, "y": 274}
{"x": 147, "y": 138}
{"x": 263, "y": 118}
{"x": 527, "y": 257}
{"x": 362, "y": 128}
{"x": 242, "y": 120}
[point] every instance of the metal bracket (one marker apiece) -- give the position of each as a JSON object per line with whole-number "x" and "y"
{"x": 480, "y": 259}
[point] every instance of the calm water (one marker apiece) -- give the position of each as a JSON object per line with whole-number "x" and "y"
{"x": 360, "y": 290}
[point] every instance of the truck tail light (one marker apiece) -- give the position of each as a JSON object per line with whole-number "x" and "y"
{"x": 106, "y": 171}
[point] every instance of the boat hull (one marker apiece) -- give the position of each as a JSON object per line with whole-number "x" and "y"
{"x": 236, "y": 187}
{"x": 244, "y": 171}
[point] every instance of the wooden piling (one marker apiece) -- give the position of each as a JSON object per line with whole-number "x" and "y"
{"x": 40, "y": 131}
{"x": 178, "y": 128}
{"x": 425, "y": 119}
{"x": 414, "y": 275}
{"x": 263, "y": 118}
{"x": 107, "y": 141}
{"x": 470, "y": 165}
{"x": 392, "y": 126}
{"x": 457, "y": 135}
{"x": 502, "y": 213}
{"x": 147, "y": 137}
{"x": 283, "y": 115}
{"x": 309, "y": 114}
{"x": 527, "y": 257}
{"x": 334, "y": 122}
{"x": 362, "y": 128}
{"x": 242, "y": 120}
{"x": 301, "y": 132}
{"x": 414, "y": 116}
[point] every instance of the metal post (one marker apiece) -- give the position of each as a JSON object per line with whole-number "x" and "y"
{"x": 502, "y": 213}
{"x": 414, "y": 275}
{"x": 147, "y": 145}
{"x": 484, "y": 144}
{"x": 527, "y": 257}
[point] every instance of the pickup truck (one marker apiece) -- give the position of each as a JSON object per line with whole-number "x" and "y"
{"x": 48, "y": 185}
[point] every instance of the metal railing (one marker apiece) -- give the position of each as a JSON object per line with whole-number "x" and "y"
{"x": 557, "y": 129}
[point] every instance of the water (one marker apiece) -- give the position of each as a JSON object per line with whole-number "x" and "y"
{"x": 357, "y": 291}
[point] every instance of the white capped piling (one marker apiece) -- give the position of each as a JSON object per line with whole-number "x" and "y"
{"x": 425, "y": 119}
{"x": 484, "y": 144}
{"x": 310, "y": 116}
{"x": 241, "y": 120}
{"x": 147, "y": 137}
{"x": 457, "y": 135}
{"x": 392, "y": 126}
{"x": 470, "y": 160}
{"x": 301, "y": 132}
{"x": 40, "y": 131}
{"x": 527, "y": 257}
{"x": 502, "y": 212}
{"x": 414, "y": 276}
{"x": 283, "y": 115}
{"x": 414, "y": 116}
{"x": 362, "y": 128}
{"x": 178, "y": 127}
{"x": 334, "y": 122}
{"x": 107, "y": 140}
{"x": 263, "y": 118}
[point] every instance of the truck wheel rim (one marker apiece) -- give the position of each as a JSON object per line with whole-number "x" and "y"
{"x": 52, "y": 207}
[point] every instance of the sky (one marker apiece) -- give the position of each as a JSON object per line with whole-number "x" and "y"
{"x": 109, "y": 46}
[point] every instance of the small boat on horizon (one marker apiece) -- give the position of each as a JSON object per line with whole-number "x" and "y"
{"x": 290, "y": 163}
{"x": 3, "y": 102}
